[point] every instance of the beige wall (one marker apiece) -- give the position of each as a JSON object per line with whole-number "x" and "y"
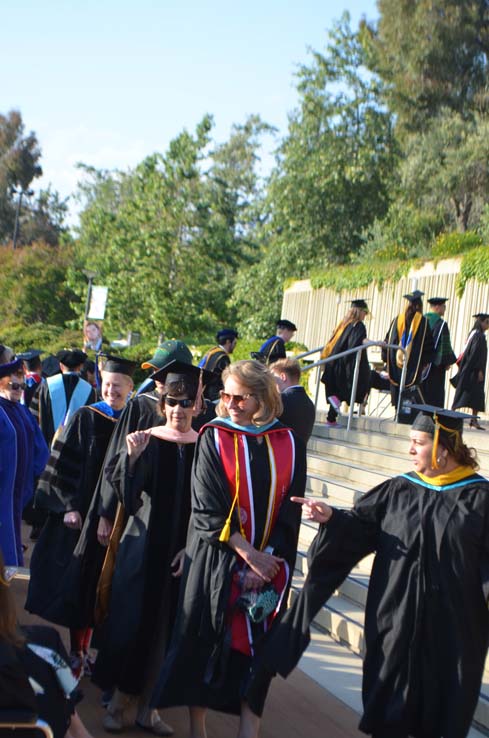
{"x": 317, "y": 312}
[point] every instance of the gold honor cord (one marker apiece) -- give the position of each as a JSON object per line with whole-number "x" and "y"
{"x": 226, "y": 531}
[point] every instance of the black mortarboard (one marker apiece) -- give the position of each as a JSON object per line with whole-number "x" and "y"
{"x": 437, "y": 300}
{"x": 481, "y": 316}
{"x": 287, "y": 324}
{"x": 10, "y": 366}
{"x": 414, "y": 296}
{"x": 71, "y": 357}
{"x": 226, "y": 334}
{"x": 359, "y": 304}
{"x": 180, "y": 371}
{"x": 117, "y": 364}
{"x": 29, "y": 355}
{"x": 439, "y": 423}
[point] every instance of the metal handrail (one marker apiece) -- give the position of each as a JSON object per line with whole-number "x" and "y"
{"x": 356, "y": 350}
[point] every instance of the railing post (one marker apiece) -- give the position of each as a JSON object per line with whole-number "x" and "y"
{"x": 354, "y": 388}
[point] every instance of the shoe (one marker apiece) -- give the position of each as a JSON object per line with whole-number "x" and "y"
{"x": 113, "y": 722}
{"x": 335, "y": 402}
{"x": 331, "y": 424}
{"x": 151, "y": 721}
{"x": 88, "y": 664}
{"x": 474, "y": 423}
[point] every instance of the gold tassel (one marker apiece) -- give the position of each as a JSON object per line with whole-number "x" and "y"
{"x": 226, "y": 530}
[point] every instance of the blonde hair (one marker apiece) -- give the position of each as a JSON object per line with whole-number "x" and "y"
{"x": 290, "y": 367}
{"x": 259, "y": 381}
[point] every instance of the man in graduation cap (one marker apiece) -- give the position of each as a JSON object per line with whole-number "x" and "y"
{"x": 65, "y": 492}
{"x": 434, "y": 375}
{"x": 217, "y": 359}
{"x": 274, "y": 347}
{"x": 410, "y": 330}
{"x": 426, "y": 620}
{"x": 32, "y": 373}
{"x": 56, "y": 400}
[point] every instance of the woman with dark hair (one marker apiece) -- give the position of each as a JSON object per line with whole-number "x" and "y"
{"x": 411, "y": 331}
{"x": 471, "y": 377}
{"x": 23, "y": 456}
{"x": 427, "y": 620}
{"x": 240, "y": 552}
{"x": 338, "y": 374}
{"x": 151, "y": 478}
{"x": 34, "y": 672}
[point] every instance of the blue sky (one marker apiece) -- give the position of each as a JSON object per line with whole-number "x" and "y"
{"x": 108, "y": 82}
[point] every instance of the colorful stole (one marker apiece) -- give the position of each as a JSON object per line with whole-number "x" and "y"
{"x": 281, "y": 455}
{"x": 405, "y": 337}
{"x": 57, "y": 394}
{"x": 454, "y": 478}
{"x": 204, "y": 363}
{"x": 337, "y": 333}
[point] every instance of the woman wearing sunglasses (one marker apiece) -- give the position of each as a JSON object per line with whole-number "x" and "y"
{"x": 241, "y": 550}
{"x": 151, "y": 478}
{"x": 23, "y": 455}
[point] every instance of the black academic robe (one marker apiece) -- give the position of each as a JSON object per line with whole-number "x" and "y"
{"x": 199, "y": 668}
{"x": 144, "y": 594}
{"x": 434, "y": 378}
{"x": 299, "y": 412}
{"x": 273, "y": 349}
{"x": 426, "y": 621}
{"x": 338, "y": 375}
{"x": 40, "y": 405}
{"x": 469, "y": 390}
{"x": 214, "y": 361}
{"x": 68, "y": 483}
{"x": 420, "y": 355}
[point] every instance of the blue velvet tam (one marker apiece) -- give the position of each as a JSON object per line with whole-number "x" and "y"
{"x": 10, "y": 367}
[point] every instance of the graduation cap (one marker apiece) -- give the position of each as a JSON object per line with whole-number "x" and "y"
{"x": 10, "y": 367}
{"x": 71, "y": 357}
{"x": 440, "y": 423}
{"x": 168, "y": 351}
{"x": 117, "y": 365}
{"x": 481, "y": 316}
{"x": 226, "y": 334}
{"x": 437, "y": 300}
{"x": 187, "y": 375}
{"x": 287, "y": 324}
{"x": 29, "y": 355}
{"x": 359, "y": 304}
{"x": 414, "y": 296}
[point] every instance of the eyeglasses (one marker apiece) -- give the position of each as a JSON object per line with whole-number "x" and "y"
{"x": 238, "y": 399}
{"x": 17, "y": 385}
{"x": 173, "y": 402}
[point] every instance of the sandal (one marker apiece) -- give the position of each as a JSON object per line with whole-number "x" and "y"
{"x": 474, "y": 423}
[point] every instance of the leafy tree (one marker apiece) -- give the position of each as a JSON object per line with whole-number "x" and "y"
{"x": 432, "y": 54}
{"x": 19, "y": 166}
{"x": 334, "y": 166}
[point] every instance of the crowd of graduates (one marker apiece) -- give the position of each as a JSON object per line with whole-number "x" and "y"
{"x": 166, "y": 522}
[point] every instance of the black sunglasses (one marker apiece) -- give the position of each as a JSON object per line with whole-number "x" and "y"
{"x": 173, "y": 402}
{"x": 17, "y": 385}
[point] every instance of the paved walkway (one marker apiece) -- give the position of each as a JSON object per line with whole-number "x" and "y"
{"x": 296, "y": 708}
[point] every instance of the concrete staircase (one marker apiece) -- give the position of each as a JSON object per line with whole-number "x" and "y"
{"x": 341, "y": 467}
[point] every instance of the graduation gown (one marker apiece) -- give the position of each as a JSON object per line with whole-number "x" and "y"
{"x": 23, "y": 455}
{"x": 144, "y": 594}
{"x": 338, "y": 375}
{"x": 40, "y": 405}
{"x": 215, "y": 361}
{"x": 273, "y": 349}
{"x": 434, "y": 378}
{"x": 426, "y": 620}
{"x": 68, "y": 483}
{"x": 469, "y": 390}
{"x": 200, "y": 668}
{"x": 420, "y": 355}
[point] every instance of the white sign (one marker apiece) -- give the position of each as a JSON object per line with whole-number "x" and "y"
{"x": 98, "y": 300}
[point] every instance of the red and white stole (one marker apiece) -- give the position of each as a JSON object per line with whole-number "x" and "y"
{"x": 281, "y": 456}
